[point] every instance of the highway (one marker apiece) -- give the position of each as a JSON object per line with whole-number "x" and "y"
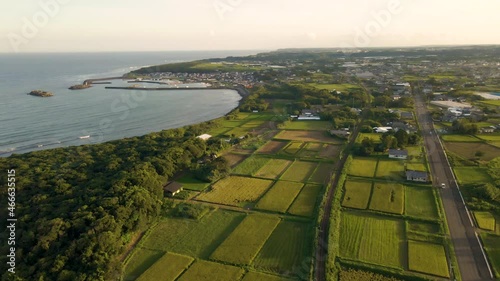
{"x": 471, "y": 260}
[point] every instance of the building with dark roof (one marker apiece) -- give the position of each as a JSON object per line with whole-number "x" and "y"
{"x": 418, "y": 176}
{"x": 398, "y": 154}
{"x": 172, "y": 188}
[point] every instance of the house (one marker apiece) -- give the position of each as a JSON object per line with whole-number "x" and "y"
{"x": 308, "y": 114}
{"x": 340, "y": 133}
{"x": 398, "y": 154}
{"x": 417, "y": 176}
{"x": 382, "y": 129}
{"x": 406, "y": 115}
{"x": 172, "y": 188}
{"x": 490, "y": 129}
{"x": 204, "y": 137}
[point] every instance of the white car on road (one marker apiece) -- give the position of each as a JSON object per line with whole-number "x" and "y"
{"x": 443, "y": 185}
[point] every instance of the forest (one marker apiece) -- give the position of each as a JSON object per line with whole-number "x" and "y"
{"x": 77, "y": 208}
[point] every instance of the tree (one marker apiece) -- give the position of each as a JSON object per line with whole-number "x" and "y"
{"x": 402, "y": 137}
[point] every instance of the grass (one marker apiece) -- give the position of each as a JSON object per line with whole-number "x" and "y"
{"x": 139, "y": 262}
{"x": 416, "y": 167}
{"x": 492, "y": 102}
{"x": 388, "y": 197}
{"x": 167, "y": 268}
{"x": 236, "y": 191}
{"x": 293, "y": 148}
{"x": 313, "y": 146}
{"x": 493, "y": 138}
{"x": 312, "y": 125}
{"x": 272, "y": 147}
{"x": 285, "y": 249}
{"x": 259, "y": 276}
{"x": 374, "y": 136}
{"x": 468, "y": 150}
{"x": 280, "y": 197}
{"x": 308, "y": 136}
{"x": 305, "y": 203}
{"x": 420, "y": 202}
{"x": 390, "y": 169}
{"x": 273, "y": 168}
{"x": 491, "y": 245}
{"x": 322, "y": 173}
{"x": 210, "y": 271}
{"x": 357, "y": 194}
{"x": 299, "y": 171}
{"x": 363, "y": 167}
{"x": 339, "y": 87}
{"x": 427, "y": 258}
{"x": 460, "y": 138}
{"x": 237, "y": 132}
{"x": 485, "y": 220}
{"x": 470, "y": 175}
{"x": 246, "y": 240}
{"x": 372, "y": 239}
{"x": 189, "y": 182}
{"x": 193, "y": 238}
{"x": 423, "y": 227}
{"x": 250, "y": 166}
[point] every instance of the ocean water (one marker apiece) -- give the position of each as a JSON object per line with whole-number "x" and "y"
{"x": 29, "y": 123}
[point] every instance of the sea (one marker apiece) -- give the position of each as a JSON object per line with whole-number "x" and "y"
{"x": 96, "y": 114}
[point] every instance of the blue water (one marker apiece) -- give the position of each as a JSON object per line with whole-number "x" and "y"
{"x": 29, "y": 123}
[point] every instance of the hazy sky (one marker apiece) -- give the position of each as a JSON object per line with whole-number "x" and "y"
{"x": 157, "y": 25}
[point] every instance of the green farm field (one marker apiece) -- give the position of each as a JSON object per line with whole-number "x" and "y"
{"x": 280, "y": 196}
{"x": 460, "y": 138}
{"x": 293, "y": 148}
{"x": 141, "y": 259}
{"x": 338, "y": 87}
{"x": 308, "y": 136}
{"x": 491, "y": 137}
{"x": 492, "y": 102}
{"x": 388, "y": 197}
{"x": 312, "y": 125}
{"x": 485, "y": 220}
{"x": 299, "y": 171}
{"x": 423, "y": 227}
{"x": 372, "y": 239}
{"x": 189, "y": 182}
{"x": 273, "y": 168}
{"x": 236, "y": 191}
{"x": 420, "y": 202}
{"x": 492, "y": 247}
{"x": 167, "y": 268}
{"x": 189, "y": 237}
{"x": 416, "y": 167}
{"x": 374, "y": 136}
{"x": 393, "y": 169}
{"x": 427, "y": 258}
{"x": 468, "y": 150}
{"x": 470, "y": 175}
{"x": 210, "y": 271}
{"x": 363, "y": 167}
{"x": 259, "y": 276}
{"x": 305, "y": 203}
{"x": 357, "y": 194}
{"x": 322, "y": 173}
{"x": 250, "y": 166}
{"x": 286, "y": 248}
{"x": 245, "y": 242}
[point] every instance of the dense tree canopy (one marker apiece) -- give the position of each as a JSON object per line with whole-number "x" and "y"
{"x": 77, "y": 207}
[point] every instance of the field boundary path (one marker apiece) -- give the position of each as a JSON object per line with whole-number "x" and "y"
{"x": 472, "y": 262}
{"x": 321, "y": 254}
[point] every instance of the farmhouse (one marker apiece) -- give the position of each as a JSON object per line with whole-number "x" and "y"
{"x": 490, "y": 129}
{"x": 382, "y": 129}
{"x": 172, "y": 188}
{"x": 204, "y": 137}
{"x": 398, "y": 154}
{"x": 340, "y": 133}
{"x": 418, "y": 176}
{"x": 308, "y": 114}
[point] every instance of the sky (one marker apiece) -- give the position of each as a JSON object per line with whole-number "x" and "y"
{"x": 165, "y": 25}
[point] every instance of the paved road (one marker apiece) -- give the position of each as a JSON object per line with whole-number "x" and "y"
{"x": 471, "y": 261}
